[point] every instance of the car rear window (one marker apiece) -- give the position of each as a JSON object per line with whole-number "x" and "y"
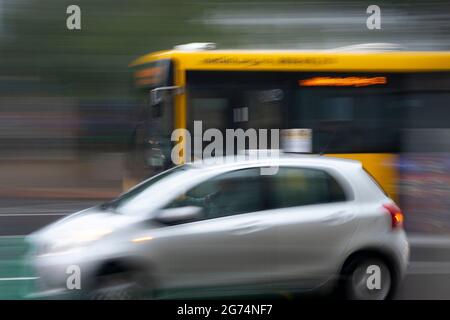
{"x": 293, "y": 186}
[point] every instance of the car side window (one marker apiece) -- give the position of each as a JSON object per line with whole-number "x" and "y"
{"x": 292, "y": 187}
{"x": 232, "y": 193}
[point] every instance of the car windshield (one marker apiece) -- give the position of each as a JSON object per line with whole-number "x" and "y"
{"x": 117, "y": 205}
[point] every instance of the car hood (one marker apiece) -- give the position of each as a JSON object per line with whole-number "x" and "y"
{"x": 81, "y": 221}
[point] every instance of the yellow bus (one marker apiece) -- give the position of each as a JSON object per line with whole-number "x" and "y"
{"x": 356, "y": 104}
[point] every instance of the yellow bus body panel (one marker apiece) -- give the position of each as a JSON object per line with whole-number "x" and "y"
{"x": 255, "y": 60}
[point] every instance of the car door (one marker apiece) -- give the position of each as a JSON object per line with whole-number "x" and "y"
{"x": 314, "y": 223}
{"x": 233, "y": 245}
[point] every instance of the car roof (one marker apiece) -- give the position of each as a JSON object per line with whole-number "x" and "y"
{"x": 274, "y": 159}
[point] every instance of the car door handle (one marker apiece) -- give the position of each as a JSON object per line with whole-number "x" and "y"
{"x": 246, "y": 228}
{"x": 338, "y": 217}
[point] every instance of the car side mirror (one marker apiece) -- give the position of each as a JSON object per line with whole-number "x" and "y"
{"x": 179, "y": 215}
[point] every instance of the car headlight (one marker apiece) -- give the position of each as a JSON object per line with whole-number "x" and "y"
{"x": 74, "y": 241}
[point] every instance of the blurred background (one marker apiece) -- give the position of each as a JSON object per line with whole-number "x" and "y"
{"x": 67, "y": 103}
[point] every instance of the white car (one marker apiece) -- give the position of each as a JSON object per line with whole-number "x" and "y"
{"x": 200, "y": 229}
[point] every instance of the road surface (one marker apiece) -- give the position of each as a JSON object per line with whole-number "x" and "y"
{"x": 428, "y": 276}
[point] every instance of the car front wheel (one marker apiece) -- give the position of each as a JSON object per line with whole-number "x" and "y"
{"x": 124, "y": 285}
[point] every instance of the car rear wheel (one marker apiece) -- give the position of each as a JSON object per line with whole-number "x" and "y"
{"x": 367, "y": 278}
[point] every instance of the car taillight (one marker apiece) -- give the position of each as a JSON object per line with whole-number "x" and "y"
{"x": 396, "y": 215}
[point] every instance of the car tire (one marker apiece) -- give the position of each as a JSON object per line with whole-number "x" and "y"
{"x": 367, "y": 278}
{"x": 124, "y": 285}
